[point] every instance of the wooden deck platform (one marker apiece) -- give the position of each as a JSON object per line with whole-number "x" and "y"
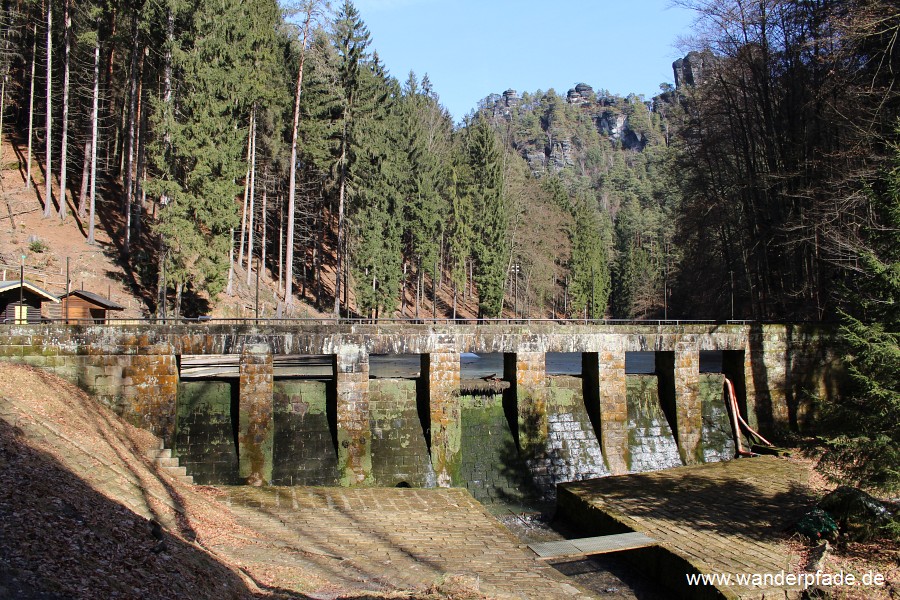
{"x": 592, "y": 545}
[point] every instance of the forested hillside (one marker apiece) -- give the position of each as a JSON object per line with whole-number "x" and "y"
{"x": 239, "y": 136}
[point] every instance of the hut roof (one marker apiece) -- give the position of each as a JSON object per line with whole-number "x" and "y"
{"x": 95, "y": 299}
{"x": 9, "y": 286}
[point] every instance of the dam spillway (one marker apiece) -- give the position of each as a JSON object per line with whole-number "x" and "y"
{"x": 262, "y": 425}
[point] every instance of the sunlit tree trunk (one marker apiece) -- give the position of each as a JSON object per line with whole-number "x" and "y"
{"x": 48, "y": 177}
{"x": 85, "y": 180}
{"x": 31, "y": 110}
{"x": 251, "y": 212}
{"x": 95, "y": 117}
{"x": 246, "y": 187}
{"x": 292, "y": 184}
{"x": 67, "y": 21}
{"x": 262, "y": 246}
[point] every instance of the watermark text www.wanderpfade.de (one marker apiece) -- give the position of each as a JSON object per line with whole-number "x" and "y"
{"x": 784, "y": 579}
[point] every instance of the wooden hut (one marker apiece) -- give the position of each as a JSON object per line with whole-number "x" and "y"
{"x": 80, "y": 306}
{"x": 20, "y": 302}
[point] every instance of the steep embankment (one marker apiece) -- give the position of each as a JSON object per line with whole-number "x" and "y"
{"x": 46, "y": 243}
{"x": 76, "y": 491}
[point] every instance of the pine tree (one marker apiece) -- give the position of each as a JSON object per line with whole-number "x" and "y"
{"x": 351, "y": 41}
{"x": 490, "y": 247}
{"x": 590, "y": 273}
{"x": 863, "y": 425}
{"x": 202, "y": 162}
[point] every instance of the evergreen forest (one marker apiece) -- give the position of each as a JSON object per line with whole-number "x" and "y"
{"x": 243, "y": 131}
{"x": 244, "y": 136}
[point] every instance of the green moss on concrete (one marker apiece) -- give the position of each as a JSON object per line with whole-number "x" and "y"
{"x": 205, "y": 432}
{"x": 651, "y": 443}
{"x": 490, "y": 465}
{"x": 399, "y": 450}
{"x": 717, "y": 441}
{"x": 304, "y": 448}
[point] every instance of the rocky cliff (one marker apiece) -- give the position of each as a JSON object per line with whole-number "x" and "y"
{"x": 549, "y": 129}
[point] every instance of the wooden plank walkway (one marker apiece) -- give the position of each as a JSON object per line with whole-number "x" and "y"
{"x": 592, "y": 545}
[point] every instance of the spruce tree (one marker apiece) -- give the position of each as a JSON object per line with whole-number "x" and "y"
{"x": 590, "y": 273}
{"x": 423, "y": 130}
{"x": 201, "y": 163}
{"x": 491, "y": 219}
{"x": 351, "y": 41}
{"x": 377, "y": 247}
{"x": 863, "y": 425}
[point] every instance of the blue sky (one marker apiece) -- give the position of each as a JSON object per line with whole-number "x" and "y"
{"x": 472, "y": 48}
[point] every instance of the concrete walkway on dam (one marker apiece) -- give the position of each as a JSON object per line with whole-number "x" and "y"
{"x": 724, "y": 518}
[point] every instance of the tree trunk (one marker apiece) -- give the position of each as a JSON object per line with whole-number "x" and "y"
{"x": 94, "y": 118}
{"x": 250, "y": 215}
{"x": 129, "y": 141}
{"x": 31, "y": 110}
{"x": 403, "y": 291}
{"x": 292, "y": 185}
{"x": 67, "y": 22}
{"x": 161, "y": 279}
{"x": 340, "y": 236}
{"x": 177, "y": 309}
{"x": 247, "y": 185}
{"x": 85, "y": 180}
{"x": 418, "y": 284}
{"x": 280, "y": 242}
{"x": 228, "y": 288}
{"x": 262, "y": 246}
{"x": 48, "y": 171}
{"x": 434, "y": 290}
{"x": 454, "y": 300}
{"x": 140, "y": 171}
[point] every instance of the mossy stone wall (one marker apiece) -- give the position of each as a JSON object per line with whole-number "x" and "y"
{"x": 304, "y": 445}
{"x": 399, "y": 450}
{"x": 205, "y": 431}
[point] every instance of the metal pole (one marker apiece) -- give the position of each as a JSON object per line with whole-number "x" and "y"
{"x": 257, "y": 289}
{"x": 22, "y": 288}
{"x": 67, "y": 291}
{"x": 732, "y": 294}
{"x": 666, "y": 282}
{"x": 592, "y": 292}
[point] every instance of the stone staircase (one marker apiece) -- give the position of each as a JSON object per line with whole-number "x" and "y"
{"x": 163, "y": 459}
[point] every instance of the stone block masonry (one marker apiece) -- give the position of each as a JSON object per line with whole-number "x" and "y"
{"x": 442, "y": 372}
{"x": 354, "y": 437}
{"x": 256, "y": 422}
{"x": 205, "y": 435}
{"x": 778, "y": 369}
{"x": 530, "y": 389}
{"x": 688, "y": 413}
{"x": 491, "y": 467}
{"x": 305, "y": 449}
{"x": 399, "y": 449}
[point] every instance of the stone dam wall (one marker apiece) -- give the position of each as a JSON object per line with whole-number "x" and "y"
{"x": 507, "y": 444}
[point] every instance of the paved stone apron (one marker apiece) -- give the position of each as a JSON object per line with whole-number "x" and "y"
{"x": 721, "y": 517}
{"x": 323, "y": 542}
{"x": 380, "y": 539}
